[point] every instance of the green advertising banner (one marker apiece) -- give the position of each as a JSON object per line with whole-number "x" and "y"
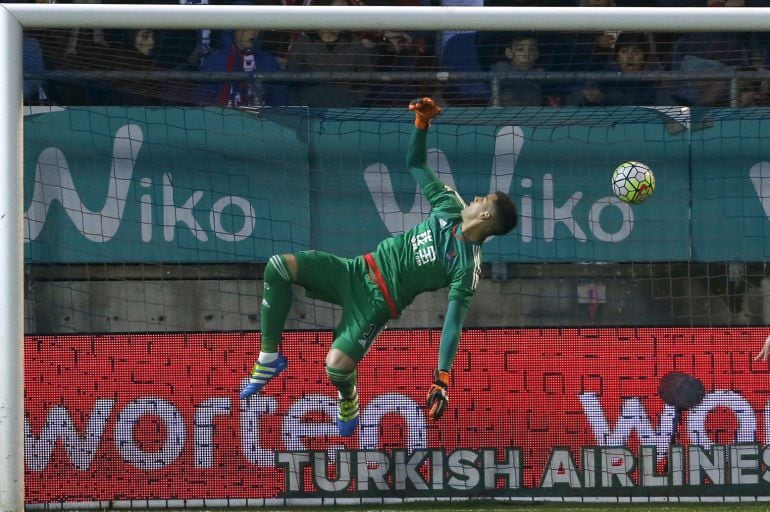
{"x": 559, "y": 177}
{"x": 162, "y": 185}
{"x": 731, "y": 190}
{"x": 213, "y": 185}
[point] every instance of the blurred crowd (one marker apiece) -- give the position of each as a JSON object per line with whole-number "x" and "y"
{"x": 501, "y": 68}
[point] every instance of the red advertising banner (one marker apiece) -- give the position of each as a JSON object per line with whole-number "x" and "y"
{"x": 531, "y": 412}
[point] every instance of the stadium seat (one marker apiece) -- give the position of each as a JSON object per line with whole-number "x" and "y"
{"x": 460, "y": 54}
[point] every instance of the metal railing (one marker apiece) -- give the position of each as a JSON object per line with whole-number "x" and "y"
{"x": 438, "y": 77}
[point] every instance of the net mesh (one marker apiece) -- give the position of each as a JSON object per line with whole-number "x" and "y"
{"x": 163, "y": 169}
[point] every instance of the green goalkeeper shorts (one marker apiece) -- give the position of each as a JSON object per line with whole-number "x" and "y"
{"x": 345, "y": 282}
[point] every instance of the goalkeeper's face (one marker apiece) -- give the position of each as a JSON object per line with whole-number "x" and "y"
{"x": 495, "y": 213}
{"x": 482, "y": 207}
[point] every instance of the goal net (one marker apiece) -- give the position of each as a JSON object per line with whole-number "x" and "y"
{"x": 163, "y": 167}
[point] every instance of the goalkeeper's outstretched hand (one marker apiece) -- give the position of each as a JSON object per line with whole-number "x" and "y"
{"x": 437, "y": 398}
{"x": 424, "y": 109}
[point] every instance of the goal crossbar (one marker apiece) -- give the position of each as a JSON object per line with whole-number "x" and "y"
{"x": 672, "y": 19}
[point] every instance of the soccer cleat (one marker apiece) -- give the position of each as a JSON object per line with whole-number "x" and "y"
{"x": 347, "y": 414}
{"x": 261, "y": 375}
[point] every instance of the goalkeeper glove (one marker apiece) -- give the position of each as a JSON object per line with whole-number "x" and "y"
{"x": 424, "y": 109}
{"x": 437, "y": 398}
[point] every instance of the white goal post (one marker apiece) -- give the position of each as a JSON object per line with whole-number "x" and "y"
{"x": 15, "y": 17}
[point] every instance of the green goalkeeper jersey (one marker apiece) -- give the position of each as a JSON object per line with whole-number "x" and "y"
{"x": 433, "y": 254}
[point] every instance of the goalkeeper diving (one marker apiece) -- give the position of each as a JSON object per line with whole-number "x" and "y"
{"x": 443, "y": 251}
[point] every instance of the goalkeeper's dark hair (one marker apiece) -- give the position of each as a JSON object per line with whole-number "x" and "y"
{"x": 506, "y": 215}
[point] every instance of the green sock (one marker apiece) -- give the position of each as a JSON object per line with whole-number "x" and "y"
{"x": 344, "y": 381}
{"x": 276, "y": 302}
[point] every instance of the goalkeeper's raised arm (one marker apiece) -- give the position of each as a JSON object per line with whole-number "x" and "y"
{"x": 425, "y": 109}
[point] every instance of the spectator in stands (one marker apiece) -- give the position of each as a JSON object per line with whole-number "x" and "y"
{"x": 329, "y": 51}
{"x": 202, "y": 38}
{"x": 522, "y": 56}
{"x": 467, "y": 51}
{"x": 492, "y": 44}
{"x": 448, "y": 34}
{"x": 34, "y": 92}
{"x": 709, "y": 53}
{"x": 175, "y": 49}
{"x": 137, "y": 56}
{"x": 577, "y": 51}
{"x": 460, "y": 55}
{"x": 276, "y": 42}
{"x": 243, "y": 55}
{"x": 89, "y": 54}
{"x": 632, "y": 55}
{"x": 752, "y": 92}
{"x": 74, "y": 36}
{"x": 401, "y": 52}
{"x": 583, "y": 51}
{"x": 604, "y": 42}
